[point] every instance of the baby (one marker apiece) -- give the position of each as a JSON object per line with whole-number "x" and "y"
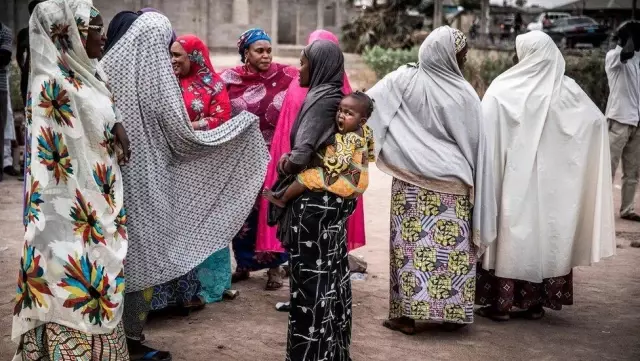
{"x": 342, "y": 164}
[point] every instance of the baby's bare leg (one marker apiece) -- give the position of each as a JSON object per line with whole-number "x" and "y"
{"x": 294, "y": 191}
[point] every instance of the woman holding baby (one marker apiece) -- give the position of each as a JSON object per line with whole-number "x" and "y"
{"x": 318, "y": 194}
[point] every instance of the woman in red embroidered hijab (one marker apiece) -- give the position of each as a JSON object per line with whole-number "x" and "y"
{"x": 204, "y": 93}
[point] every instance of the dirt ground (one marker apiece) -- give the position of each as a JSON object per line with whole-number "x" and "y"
{"x": 604, "y": 323}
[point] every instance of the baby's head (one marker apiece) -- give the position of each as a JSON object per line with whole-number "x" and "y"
{"x": 353, "y": 112}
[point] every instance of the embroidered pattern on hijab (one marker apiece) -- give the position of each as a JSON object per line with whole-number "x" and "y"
{"x": 460, "y": 40}
{"x": 204, "y": 93}
{"x": 226, "y": 164}
{"x": 71, "y": 270}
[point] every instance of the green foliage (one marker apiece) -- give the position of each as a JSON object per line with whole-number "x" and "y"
{"x": 383, "y": 61}
{"x": 586, "y": 68}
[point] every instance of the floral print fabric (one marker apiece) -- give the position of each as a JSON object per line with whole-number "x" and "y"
{"x": 71, "y": 268}
{"x": 320, "y": 316}
{"x": 505, "y": 293}
{"x": 433, "y": 265}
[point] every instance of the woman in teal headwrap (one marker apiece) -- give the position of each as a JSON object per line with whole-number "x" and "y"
{"x": 258, "y": 86}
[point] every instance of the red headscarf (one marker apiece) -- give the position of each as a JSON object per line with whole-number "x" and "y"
{"x": 204, "y": 93}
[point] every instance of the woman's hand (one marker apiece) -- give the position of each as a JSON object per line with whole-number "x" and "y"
{"x": 282, "y": 162}
{"x": 123, "y": 140}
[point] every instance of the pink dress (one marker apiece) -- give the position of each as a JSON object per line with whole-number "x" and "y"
{"x": 266, "y": 239}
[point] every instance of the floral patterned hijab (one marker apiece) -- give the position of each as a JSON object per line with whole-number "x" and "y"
{"x": 203, "y": 91}
{"x": 75, "y": 242}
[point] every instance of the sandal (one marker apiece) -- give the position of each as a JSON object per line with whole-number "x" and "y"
{"x": 283, "y": 306}
{"x": 631, "y": 217}
{"x": 395, "y": 325}
{"x": 533, "y": 313}
{"x": 452, "y": 327}
{"x": 239, "y": 276}
{"x": 275, "y": 279}
{"x": 140, "y": 352}
{"x": 490, "y": 313}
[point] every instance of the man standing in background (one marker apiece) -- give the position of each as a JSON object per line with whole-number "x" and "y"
{"x": 622, "y": 65}
{"x": 6, "y": 47}
{"x": 23, "y": 54}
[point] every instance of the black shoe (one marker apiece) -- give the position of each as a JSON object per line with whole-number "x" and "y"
{"x": 631, "y": 217}
{"x": 11, "y": 171}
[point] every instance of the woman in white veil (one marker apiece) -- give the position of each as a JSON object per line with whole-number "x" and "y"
{"x": 553, "y": 183}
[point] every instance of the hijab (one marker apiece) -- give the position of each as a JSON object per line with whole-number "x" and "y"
{"x": 75, "y": 240}
{"x": 175, "y": 168}
{"x": 316, "y": 120}
{"x": 118, "y": 27}
{"x": 552, "y": 170}
{"x": 202, "y": 84}
{"x": 429, "y": 132}
{"x": 249, "y": 37}
{"x": 152, "y": 10}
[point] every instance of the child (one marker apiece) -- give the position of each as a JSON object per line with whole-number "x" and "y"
{"x": 342, "y": 165}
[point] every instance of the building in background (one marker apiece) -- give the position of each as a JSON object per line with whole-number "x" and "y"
{"x": 220, "y": 22}
{"x": 606, "y": 12}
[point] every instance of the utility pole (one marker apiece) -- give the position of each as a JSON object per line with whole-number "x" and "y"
{"x": 437, "y": 13}
{"x": 484, "y": 21}
{"x": 634, "y": 3}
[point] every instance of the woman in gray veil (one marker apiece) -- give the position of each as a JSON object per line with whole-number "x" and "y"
{"x": 187, "y": 192}
{"x": 430, "y": 138}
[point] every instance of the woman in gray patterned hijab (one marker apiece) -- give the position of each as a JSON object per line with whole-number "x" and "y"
{"x": 175, "y": 169}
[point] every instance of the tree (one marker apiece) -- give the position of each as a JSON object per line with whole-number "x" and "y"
{"x": 388, "y": 25}
{"x": 521, "y": 3}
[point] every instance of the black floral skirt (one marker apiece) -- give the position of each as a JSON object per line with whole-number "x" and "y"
{"x": 320, "y": 316}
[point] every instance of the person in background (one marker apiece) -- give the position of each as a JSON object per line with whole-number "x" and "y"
{"x": 219, "y": 172}
{"x": 6, "y": 49}
{"x": 443, "y": 207}
{"x": 258, "y": 86}
{"x": 69, "y": 300}
{"x": 622, "y": 65}
{"x": 9, "y": 138}
{"x": 552, "y": 178}
{"x": 23, "y": 54}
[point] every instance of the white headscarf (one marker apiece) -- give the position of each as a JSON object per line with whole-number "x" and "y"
{"x": 552, "y": 171}
{"x": 75, "y": 239}
{"x": 429, "y": 132}
{"x": 187, "y": 193}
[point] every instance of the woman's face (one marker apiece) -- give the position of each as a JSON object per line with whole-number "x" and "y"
{"x": 259, "y": 56}
{"x": 461, "y": 57}
{"x": 95, "y": 38}
{"x": 305, "y": 71}
{"x": 179, "y": 60}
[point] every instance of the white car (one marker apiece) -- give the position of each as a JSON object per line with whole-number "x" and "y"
{"x": 553, "y": 16}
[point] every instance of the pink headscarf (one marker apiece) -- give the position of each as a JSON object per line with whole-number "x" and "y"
{"x": 266, "y": 240}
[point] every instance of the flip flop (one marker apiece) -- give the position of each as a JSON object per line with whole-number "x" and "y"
{"x": 409, "y": 331}
{"x": 452, "y": 327}
{"x": 139, "y": 352}
{"x": 631, "y": 217}
{"x": 489, "y": 313}
{"x": 530, "y": 314}
{"x": 273, "y": 285}
{"x": 283, "y": 306}
{"x": 155, "y": 356}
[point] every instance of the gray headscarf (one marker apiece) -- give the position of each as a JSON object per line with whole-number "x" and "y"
{"x": 316, "y": 120}
{"x": 429, "y": 131}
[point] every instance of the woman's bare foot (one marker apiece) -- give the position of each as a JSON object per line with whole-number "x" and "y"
{"x": 271, "y": 198}
{"x": 403, "y": 324}
{"x": 274, "y": 281}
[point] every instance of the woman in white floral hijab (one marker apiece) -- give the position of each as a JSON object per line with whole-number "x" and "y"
{"x": 70, "y": 285}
